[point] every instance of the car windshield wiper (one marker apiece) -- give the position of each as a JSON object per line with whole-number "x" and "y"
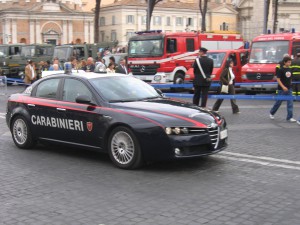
{"x": 125, "y": 100}
{"x": 153, "y": 97}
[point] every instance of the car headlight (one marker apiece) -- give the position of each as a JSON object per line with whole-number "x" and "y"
{"x": 157, "y": 78}
{"x": 176, "y": 130}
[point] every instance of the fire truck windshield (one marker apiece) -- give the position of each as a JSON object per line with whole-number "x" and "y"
{"x": 268, "y": 51}
{"x": 218, "y": 58}
{"x": 145, "y": 48}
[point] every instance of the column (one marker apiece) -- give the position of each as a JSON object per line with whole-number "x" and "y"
{"x": 163, "y": 22}
{"x": 174, "y": 24}
{"x": 86, "y": 31}
{"x": 92, "y": 31}
{"x": 14, "y": 31}
{"x": 31, "y": 30}
{"x": 3, "y": 31}
{"x": 65, "y": 32}
{"x": 38, "y": 32}
{"x": 70, "y": 23}
{"x": 7, "y": 31}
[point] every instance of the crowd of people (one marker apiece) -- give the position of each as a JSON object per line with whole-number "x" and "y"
{"x": 33, "y": 72}
{"x": 287, "y": 70}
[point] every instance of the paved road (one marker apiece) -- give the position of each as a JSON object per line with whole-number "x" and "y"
{"x": 254, "y": 182}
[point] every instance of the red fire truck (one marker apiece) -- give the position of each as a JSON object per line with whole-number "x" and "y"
{"x": 265, "y": 53}
{"x": 158, "y": 57}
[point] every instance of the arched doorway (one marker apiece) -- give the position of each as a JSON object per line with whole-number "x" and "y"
{"x": 51, "y": 33}
{"x": 23, "y": 40}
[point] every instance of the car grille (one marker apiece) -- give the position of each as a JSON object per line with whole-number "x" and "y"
{"x": 144, "y": 69}
{"x": 197, "y": 130}
{"x": 214, "y": 135}
{"x": 260, "y": 76}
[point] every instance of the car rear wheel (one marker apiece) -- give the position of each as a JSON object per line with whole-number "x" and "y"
{"x": 124, "y": 149}
{"x": 21, "y": 133}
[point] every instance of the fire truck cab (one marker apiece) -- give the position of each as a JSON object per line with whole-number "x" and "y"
{"x": 157, "y": 57}
{"x": 265, "y": 53}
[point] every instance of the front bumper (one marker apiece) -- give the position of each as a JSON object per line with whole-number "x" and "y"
{"x": 160, "y": 77}
{"x": 261, "y": 87}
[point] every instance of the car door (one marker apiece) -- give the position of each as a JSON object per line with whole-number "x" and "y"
{"x": 42, "y": 108}
{"x": 83, "y": 121}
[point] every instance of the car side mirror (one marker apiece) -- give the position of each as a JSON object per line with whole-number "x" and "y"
{"x": 84, "y": 99}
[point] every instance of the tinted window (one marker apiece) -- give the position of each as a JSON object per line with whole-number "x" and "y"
{"x": 47, "y": 89}
{"x": 190, "y": 45}
{"x": 171, "y": 45}
{"x": 73, "y": 88}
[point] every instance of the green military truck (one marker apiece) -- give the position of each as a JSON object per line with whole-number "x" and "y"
{"x": 8, "y": 55}
{"x": 13, "y": 66}
{"x": 81, "y": 51}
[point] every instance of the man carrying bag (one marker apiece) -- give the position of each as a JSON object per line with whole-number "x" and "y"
{"x": 203, "y": 67}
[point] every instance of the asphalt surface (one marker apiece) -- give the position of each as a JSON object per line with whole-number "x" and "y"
{"x": 255, "y": 181}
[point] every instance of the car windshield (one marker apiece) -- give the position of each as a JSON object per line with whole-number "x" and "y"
{"x": 144, "y": 48}
{"x": 28, "y": 51}
{"x": 3, "y": 51}
{"x": 123, "y": 89}
{"x": 62, "y": 53}
{"x": 218, "y": 58}
{"x": 268, "y": 51}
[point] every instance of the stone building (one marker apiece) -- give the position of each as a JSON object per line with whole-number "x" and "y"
{"x": 67, "y": 21}
{"x": 251, "y": 16}
{"x": 119, "y": 20}
{"x": 45, "y": 21}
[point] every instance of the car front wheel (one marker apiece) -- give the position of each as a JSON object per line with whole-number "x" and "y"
{"x": 124, "y": 149}
{"x": 21, "y": 133}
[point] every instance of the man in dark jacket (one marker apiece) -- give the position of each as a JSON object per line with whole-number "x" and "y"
{"x": 202, "y": 78}
{"x": 296, "y": 73}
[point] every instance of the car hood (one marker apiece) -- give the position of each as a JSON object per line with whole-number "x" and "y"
{"x": 171, "y": 113}
{"x": 253, "y": 67}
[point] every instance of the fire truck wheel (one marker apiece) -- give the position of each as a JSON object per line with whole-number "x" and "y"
{"x": 178, "y": 78}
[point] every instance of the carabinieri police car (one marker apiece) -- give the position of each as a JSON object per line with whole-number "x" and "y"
{"x": 113, "y": 113}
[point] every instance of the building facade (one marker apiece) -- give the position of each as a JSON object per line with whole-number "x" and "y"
{"x": 251, "y": 16}
{"x": 120, "y": 20}
{"x": 45, "y": 21}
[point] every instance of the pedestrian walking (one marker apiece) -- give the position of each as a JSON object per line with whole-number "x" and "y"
{"x": 284, "y": 79}
{"x": 227, "y": 78}
{"x": 203, "y": 67}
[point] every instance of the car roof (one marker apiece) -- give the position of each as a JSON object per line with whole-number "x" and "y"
{"x": 88, "y": 75}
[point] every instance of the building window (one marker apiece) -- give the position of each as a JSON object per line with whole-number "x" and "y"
{"x": 224, "y": 26}
{"x": 130, "y": 19}
{"x": 102, "y": 21}
{"x": 113, "y": 35}
{"x": 129, "y": 33}
{"x": 190, "y": 22}
{"x": 144, "y": 19}
{"x": 168, "y": 21}
{"x": 113, "y": 20}
{"x": 179, "y": 21}
{"x": 157, "y": 20}
{"x": 102, "y": 34}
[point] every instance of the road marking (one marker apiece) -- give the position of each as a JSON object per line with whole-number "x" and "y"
{"x": 261, "y": 160}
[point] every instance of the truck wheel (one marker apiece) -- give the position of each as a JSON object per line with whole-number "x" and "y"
{"x": 21, "y": 133}
{"x": 124, "y": 149}
{"x": 178, "y": 78}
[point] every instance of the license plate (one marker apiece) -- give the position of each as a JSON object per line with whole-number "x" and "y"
{"x": 257, "y": 85}
{"x": 223, "y": 134}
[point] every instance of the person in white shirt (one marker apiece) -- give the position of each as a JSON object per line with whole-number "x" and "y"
{"x": 227, "y": 77}
{"x": 110, "y": 68}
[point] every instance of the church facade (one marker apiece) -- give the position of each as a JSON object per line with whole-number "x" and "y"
{"x": 46, "y": 21}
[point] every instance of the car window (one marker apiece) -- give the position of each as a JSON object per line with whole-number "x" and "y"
{"x": 47, "y": 89}
{"x": 73, "y": 88}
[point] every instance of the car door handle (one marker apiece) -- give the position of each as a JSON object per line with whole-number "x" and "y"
{"x": 61, "y": 109}
{"x": 31, "y": 105}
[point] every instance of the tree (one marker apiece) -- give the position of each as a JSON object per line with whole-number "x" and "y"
{"x": 96, "y": 22}
{"x": 203, "y": 11}
{"x": 275, "y": 22}
{"x": 150, "y": 7}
